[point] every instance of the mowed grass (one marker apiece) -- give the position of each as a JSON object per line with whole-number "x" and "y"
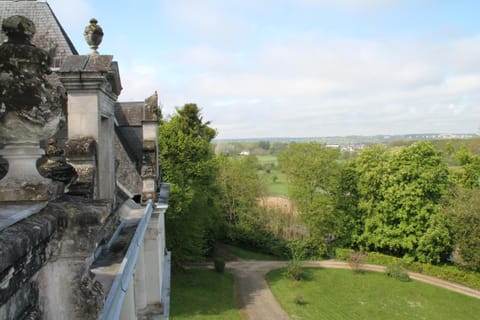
{"x": 277, "y": 187}
{"x": 202, "y": 294}
{"x": 341, "y": 294}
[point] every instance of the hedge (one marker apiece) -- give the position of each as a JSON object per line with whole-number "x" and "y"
{"x": 451, "y": 273}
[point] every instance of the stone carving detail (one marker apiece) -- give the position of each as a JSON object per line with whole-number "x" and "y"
{"x": 30, "y": 107}
{"x": 56, "y": 168}
{"x": 93, "y": 35}
{"x": 152, "y": 112}
{"x": 81, "y": 154}
{"x": 31, "y": 110}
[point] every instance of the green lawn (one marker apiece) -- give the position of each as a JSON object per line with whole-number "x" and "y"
{"x": 203, "y": 294}
{"x": 340, "y": 294}
{"x": 277, "y": 188}
{"x": 249, "y": 255}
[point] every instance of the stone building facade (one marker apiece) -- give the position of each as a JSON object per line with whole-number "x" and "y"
{"x": 81, "y": 202}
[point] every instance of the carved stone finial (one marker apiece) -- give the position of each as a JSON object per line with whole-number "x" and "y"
{"x": 151, "y": 110}
{"x": 93, "y": 35}
{"x": 31, "y": 109}
{"x": 18, "y": 29}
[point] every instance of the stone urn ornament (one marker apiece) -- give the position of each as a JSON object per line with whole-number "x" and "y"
{"x": 31, "y": 110}
{"x": 93, "y": 35}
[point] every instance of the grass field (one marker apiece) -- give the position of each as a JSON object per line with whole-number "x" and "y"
{"x": 201, "y": 294}
{"x": 341, "y": 294}
{"x": 277, "y": 188}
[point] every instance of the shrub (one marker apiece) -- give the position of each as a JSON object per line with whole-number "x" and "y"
{"x": 299, "y": 300}
{"x": 219, "y": 265}
{"x": 343, "y": 254}
{"x": 398, "y": 272}
{"x": 256, "y": 238}
{"x": 356, "y": 261}
{"x": 294, "y": 270}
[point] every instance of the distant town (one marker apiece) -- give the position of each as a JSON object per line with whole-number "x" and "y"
{"x": 352, "y": 143}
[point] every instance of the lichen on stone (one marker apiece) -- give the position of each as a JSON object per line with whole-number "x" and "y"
{"x": 30, "y": 107}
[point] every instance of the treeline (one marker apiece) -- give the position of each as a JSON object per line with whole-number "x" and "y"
{"x": 411, "y": 201}
{"x": 402, "y": 201}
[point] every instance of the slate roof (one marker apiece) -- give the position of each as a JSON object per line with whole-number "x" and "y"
{"x": 129, "y": 116}
{"x": 129, "y": 113}
{"x": 49, "y": 33}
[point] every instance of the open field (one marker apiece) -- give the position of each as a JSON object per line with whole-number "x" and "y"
{"x": 201, "y": 294}
{"x": 276, "y": 186}
{"x": 341, "y": 294}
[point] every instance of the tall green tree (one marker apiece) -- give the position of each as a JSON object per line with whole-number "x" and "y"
{"x": 350, "y": 222}
{"x": 469, "y": 177}
{"x": 403, "y": 214}
{"x": 189, "y": 165}
{"x": 312, "y": 172}
{"x": 464, "y": 210}
{"x": 240, "y": 187}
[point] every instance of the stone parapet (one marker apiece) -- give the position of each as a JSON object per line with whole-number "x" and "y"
{"x": 44, "y": 261}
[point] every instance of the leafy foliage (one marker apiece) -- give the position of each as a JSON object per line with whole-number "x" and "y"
{"x": 219, "y": 265}
{"x": 398, "y": 195}
{"x": 294, "y": 270}
{"x": 312, "y": 173}
{"x": 470, "y": 164}
{"x": 464, "y": 209}
{"x": 396, "y": 271}
{"x": 189, "y": 166}
{"x": 240, "y": 186}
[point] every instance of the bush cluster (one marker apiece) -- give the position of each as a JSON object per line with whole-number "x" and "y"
{"x": 294, "y": 270}
{"x": 219, "y": 265}
{"x": 452, "y": 273}
{"x": 258, "y": 239}
{"x": 356, "y": 261}
{"x": 343, "y": 254}
{"x": 396, "y": 271}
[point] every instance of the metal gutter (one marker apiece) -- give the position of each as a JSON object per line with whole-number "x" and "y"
{"x": 116, "y": 296}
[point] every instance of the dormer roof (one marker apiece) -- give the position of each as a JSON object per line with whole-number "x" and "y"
{"x": 49, "y": 33}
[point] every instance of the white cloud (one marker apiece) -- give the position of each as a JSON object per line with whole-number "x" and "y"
{"x": 307, "y": 88}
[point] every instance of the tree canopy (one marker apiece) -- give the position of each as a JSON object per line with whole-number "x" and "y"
{"x": 399, "y": 195}
{"x": 312, "y": 172}
{"x": 189, "y": 165}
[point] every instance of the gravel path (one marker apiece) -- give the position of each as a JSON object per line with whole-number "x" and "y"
{"x": 256, "y": 301}
{"x": 254, "y": 298}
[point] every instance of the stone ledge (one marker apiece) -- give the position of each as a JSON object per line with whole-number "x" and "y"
{"x": 20, "y": 239}
{"x": 67, "y": 226}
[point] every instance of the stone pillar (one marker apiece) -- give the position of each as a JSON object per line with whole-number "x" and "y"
{"x": 93, "y": 85}
{"x": 149, "y": 170}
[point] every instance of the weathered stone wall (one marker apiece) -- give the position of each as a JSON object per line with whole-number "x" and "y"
{"x": 126, "y": 172}
{"x": 45, "y": 260}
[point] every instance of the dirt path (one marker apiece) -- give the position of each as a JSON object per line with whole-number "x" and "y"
{"x": 256, "y": 301}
